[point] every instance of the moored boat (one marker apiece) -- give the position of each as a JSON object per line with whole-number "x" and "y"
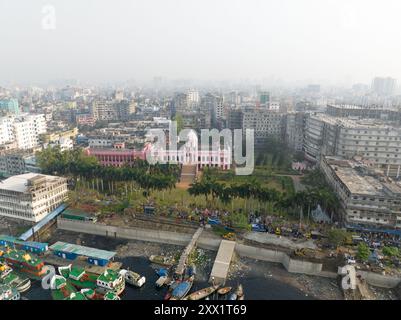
{"x": 161, "y": 281}
{"x": 238, "y": 294}
{"x": 201, "y": 294}
{"x": 9, "y": 293}
{"x": 110, "y": 280}
{"x": 111, "y": 296}
{"x": 9, "y": 277}
{"x": 162, "y": 260}
{"x": 224, "y": 290}
{"x": 24, "y": 262}
{"x": 133, "y": 278}
{"x": 76, "y": 296}
{"x": 182, "y": 289}
{"x": 60, "y": 288}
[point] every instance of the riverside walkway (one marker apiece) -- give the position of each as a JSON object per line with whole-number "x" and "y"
{"x": 222, "y": 262}
{"x": 179, "y": 271}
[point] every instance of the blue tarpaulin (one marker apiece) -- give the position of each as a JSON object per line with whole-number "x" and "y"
{"x": 162, "y": 272}
{"x": 375, "y": 230}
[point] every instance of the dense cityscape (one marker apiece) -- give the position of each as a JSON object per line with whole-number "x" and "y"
{"x": 150, "y": 183}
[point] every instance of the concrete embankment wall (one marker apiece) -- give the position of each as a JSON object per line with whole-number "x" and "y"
{"x": 380, "y": 280}
{"x": 294, "y": 266}
{"x": 125, "y": 233}
{"x": 207, "y": 242}
{"x": 204, "y": 242}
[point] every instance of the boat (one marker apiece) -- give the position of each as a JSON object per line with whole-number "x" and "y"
{"x": 9, "y": 293}
{"x": 201, "y": 294}
{"x": 111, "y": 296}
{"x": 162, "y": 272}
{"x": 161, "y": 281}
{"x": 9, "y": 277}
{"x": 238, "y": 294}
{"x": 172, "y": 285}
{"x": 182, "y": 289}
{"x": 110, "y": 280}
{"x": 133, "y": 278}
{"x": 24, "y": 262}
{"x": 90, "y": 294}
{"x": 162, "y": 260}
{"x": 224, "y": 290}
{"x": 5, "y": 270}
{"x": 76, "y": 296}
{"x": 60, "y": 288}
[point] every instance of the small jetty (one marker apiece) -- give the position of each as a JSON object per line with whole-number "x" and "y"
{"x": 179, "y": 271}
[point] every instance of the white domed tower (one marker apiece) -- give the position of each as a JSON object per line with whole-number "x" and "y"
{"x": 191, "y": 147}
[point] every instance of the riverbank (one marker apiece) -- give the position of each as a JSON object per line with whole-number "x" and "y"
{"x": 261, "y": 280}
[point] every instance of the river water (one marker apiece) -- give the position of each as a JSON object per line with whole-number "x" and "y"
{"x": 256, "y": 277}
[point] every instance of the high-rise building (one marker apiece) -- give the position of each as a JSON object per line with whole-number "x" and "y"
{"x": 384, "y": 86}
{"x": 24, "y": 130}
{"x": 366, "y": 200}
{"x": 180, "y": 104}
{"x": 295, "y": 130}
{"x": 193, "y": 99}
{"x": 264, "y": 98}
{"x": 9, "y": 106}
{"x": 376, "y": 141}
{"x": 265, "y": 124}
{"x": 31, "y": 196}
{"x": 234, "y": 119}
{"x": 118, "y": 95}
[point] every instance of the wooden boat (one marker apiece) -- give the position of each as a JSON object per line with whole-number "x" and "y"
{"x": 182, "y": 289}
{"x": 161, "y": 281}
{"x": 224, "y": 290}
{"x": 162, "y": 260}
{"x": 238, "y": 294}
{"x": 133, "y": 278}
{"x": 201, "y": 294}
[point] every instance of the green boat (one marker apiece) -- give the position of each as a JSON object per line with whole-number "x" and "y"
{"x": 9, "y": 277}
{"x": 111, "y": 296}
{"x": 76, "y": 296}
{"x": 110, "y": 280}
{"x": 60, "y": 288}
{"x": 8, "y": 293}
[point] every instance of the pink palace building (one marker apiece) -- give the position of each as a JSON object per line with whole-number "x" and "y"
{"x": 188, "y": 154}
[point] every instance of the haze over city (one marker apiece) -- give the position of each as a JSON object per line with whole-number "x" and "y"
{"x": 282, "y": 42}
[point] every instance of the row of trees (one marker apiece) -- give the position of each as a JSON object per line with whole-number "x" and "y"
{"x": 76, "y": 165}
{"x": 296, "y": 203}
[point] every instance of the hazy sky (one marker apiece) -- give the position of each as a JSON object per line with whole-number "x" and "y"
{"x": 111, "y": 40}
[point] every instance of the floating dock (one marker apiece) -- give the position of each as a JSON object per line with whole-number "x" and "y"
{"x": 222, "y": 263}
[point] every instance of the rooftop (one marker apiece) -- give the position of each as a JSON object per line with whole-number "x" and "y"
{"x": 19, "y": 183}
{"x": 359, "y": 180}
{"x": 354, "y": 123}
{"x": 82, "y": 251}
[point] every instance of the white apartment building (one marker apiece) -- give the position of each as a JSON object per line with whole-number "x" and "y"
{"x": 373, "y": 140}
{"x": 193, "y": 99}
{"x": 23, "y": 129}
{"x": 31, "y": 196}
{"x": 366, "y": 199}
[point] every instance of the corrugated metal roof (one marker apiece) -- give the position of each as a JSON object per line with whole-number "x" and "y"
{"x": 82, "y": 251}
